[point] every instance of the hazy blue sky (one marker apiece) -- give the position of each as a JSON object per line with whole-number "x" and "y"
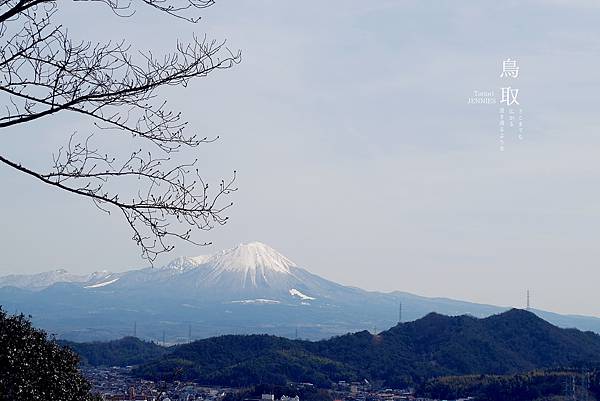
{"x": 357, "y": 153}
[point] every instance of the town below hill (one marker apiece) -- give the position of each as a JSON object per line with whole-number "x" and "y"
{"x": 416, "y": 354}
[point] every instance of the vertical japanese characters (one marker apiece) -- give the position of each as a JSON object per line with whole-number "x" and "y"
{"x": 511, "y": 114}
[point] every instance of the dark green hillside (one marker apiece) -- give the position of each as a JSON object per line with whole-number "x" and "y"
{"x": 247, "y": 360}
{"x": 124, "y": 352}
{"x": 512, "y": 342}
{"x": 530, "y": 386}
{"x": 538, "y": 342}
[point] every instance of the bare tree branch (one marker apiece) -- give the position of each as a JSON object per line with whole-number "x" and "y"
{"x": 44, "y": 72}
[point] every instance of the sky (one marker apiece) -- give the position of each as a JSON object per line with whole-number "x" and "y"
{"x": 357, "y": 154}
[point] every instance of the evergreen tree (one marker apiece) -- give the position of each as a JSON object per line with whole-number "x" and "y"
{"x": 34, "y": 367}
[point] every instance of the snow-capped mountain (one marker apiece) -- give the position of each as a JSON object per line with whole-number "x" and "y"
{"x": 185, "y": 263}
{"x": 245, "y": 272}
{"x": 43, "y": 280}
{"x": 250, "y": 288}
{"x": 248, "y": 266}
{"x": 251, "y": 259}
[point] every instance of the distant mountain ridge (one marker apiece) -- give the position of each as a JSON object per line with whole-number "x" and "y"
{"x": 250, "y": 288}
{"x": 248, "y": 268}
{"x": 40, "y": 281}
{"x": 436, "y": 345}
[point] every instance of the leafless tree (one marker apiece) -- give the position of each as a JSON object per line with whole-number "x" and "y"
{"x": 44, "y": 72}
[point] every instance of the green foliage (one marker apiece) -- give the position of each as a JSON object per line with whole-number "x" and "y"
{"x": 246, "y": 360}
{"x": 124, "y": 352}
{"x": 33, "y": 367}
{"x": 536, "y": 385}
{"x": 406, "y": 355}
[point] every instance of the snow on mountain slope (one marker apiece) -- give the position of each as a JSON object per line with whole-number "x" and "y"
{"x": 102, "y": 284}
{"x": 248, "y": 266}
{"x": 250, "y": 286}
{"x": 98, "y": 279}
{"x": 185, "y": 263}
{"x": 257, "y": 301}
{"x": 39, "y": 281}
{"x": 295, "y": 293}
{"x": 248, "y": 258}
{"x": 168, "y": 276}
{"x": 247, "y": 271}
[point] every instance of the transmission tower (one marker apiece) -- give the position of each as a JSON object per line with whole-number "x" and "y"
{"x": 528, "y": 301}
{"x": 400, "y": 313}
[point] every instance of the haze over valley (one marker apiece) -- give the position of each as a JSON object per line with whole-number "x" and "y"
{"x": 248, "y": 289}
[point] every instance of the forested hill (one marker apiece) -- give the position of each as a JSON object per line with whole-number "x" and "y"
{"x": 436, "y": 345}
{"x": 124, "y": 352}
